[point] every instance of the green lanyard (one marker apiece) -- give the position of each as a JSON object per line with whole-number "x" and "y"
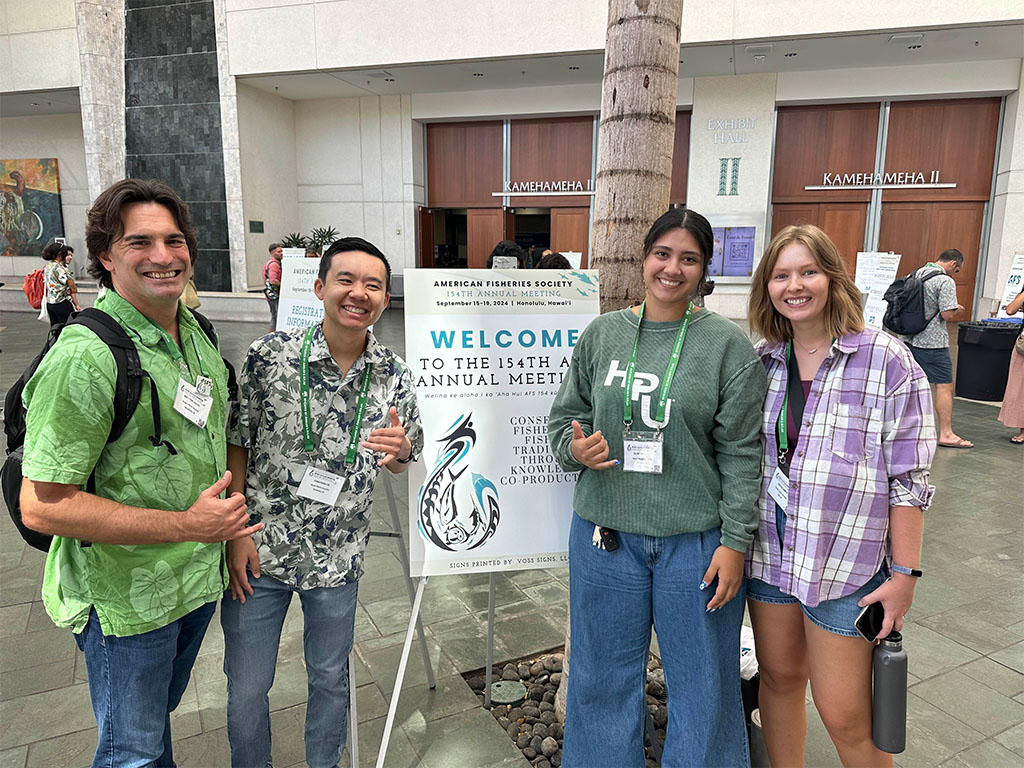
{"x": 670, "y": 372}
{"x": 307, "y": 419}
{"x": 781, "y": 426}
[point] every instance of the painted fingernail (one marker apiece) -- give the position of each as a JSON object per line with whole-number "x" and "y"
{"x": 703, "y": 585}
{"x": 617, "y": 462}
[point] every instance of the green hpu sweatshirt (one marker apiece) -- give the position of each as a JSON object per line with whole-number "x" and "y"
{"x": 711, "y": 472}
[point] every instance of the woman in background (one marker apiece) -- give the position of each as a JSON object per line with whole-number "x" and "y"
{"x": 59, "y": 285}
{"x": 1012, "y": 412}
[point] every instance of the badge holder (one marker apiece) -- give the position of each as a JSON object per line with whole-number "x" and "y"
{"x": 642, "y": 451}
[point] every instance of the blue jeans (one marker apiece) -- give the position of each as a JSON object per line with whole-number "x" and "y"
{"x": 614, "y": 598}
{"x": 252, "y": 635}
{"x": 135, "y": 683}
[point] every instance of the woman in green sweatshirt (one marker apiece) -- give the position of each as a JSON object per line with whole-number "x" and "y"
{"x": 660, "y": 414}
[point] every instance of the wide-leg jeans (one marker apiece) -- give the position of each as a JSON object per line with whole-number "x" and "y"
{"x": 614, "y": 599}
{"x": 252, "y": 635}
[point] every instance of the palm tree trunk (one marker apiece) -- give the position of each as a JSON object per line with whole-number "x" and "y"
{"x": 634, "y": 157}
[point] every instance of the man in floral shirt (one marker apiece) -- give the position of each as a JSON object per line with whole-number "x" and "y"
{"x": 321, "y": 411}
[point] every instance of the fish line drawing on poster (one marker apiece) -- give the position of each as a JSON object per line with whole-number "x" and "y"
{"x": 458, "y": 508}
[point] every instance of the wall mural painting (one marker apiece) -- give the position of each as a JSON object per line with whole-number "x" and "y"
{"x": 30, "y": 212}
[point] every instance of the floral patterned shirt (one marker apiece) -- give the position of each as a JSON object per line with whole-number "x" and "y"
{"x": 307, "y": 543}
{"x": 55, "y": 280}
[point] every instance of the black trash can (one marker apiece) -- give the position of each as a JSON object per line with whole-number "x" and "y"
{"x": 983, "y": 359}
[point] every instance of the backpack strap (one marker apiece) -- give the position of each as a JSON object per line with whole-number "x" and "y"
{"x": 211, "y": 334}
{"x": 128, "y": 383}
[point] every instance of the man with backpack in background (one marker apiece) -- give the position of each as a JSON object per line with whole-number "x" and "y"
{"x": 930, "y": 347}
{"x": 272, "y": 281}
{"x": 137, "y": 559}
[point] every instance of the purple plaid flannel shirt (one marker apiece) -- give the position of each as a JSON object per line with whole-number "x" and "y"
{"x": 866, "y": 444}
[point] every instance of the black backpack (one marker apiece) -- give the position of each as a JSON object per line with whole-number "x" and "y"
{"x": 905, "y": 297}
{"x": 127, "y": 390}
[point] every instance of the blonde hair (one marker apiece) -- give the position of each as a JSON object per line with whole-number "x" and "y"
{"x": 844, "y": 312}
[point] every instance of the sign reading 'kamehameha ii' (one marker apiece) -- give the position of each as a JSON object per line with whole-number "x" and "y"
{"x": 488, "y": 350}
{"x": 900, "y": 180}
{"x": 547, "y": 187}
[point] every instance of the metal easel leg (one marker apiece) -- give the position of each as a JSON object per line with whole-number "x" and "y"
{"x": 490, "y": 640}
{"x": 353, "y": 719}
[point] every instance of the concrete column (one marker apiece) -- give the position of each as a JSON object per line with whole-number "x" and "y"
{"x": 232, "y": 158}
{"x": 1007, "y": 233}
{"x": 100, "y": 25}
{"x": 730, "y": 164}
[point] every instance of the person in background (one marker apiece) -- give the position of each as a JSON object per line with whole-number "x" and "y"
{"x": 272, "y": 281}
{"x": 1012, "y": 411}
{"x": 61, "y": 293}
{"x": 554, "y": 261}
{"x": 507, "y": 248}
{"x": 534, "y": 255}
{"x": 665, "y": 508}
{"x": 848, "y": 435}
{"x": 930, "y": 347}
{"x": 312, "y": 253}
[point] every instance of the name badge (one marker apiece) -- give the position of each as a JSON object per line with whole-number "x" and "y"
{"x": 192, "y": 403}
{"x": 778, "y": 488}
{"x": 320, "y": 485}
{"x": 642, "y": 452}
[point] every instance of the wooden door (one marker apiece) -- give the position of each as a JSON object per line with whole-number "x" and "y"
{"x": 921, "y": 231}
{"x": 570, "y": 228}
{"x": 425, "y": 220}
{"x": 844, "y": 223}
{"x": 484, "y": 227}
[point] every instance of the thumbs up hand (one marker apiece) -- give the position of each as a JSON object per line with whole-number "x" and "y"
{"x": 391, "y": 441}
{"x": 592, "y": 452}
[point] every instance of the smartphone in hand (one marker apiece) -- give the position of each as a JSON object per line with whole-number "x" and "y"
{"x": 869, "y": 622}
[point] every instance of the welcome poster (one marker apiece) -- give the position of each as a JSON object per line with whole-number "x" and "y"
{"x": 488, "y": 350}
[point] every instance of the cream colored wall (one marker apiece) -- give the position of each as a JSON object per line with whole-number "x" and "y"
{"x": 302, "y": 35}
{"x": 360, "y": 170}
{"x": 266, "y": 139}
{"x": 58, "y": 136}
{"x": 1007, "y": 232}
{"x": 38, "y": 45}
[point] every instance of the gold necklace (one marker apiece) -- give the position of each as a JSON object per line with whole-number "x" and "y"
{"x": 805, "y": 349}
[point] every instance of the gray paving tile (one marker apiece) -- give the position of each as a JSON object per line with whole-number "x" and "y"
{"x": 419, "y": 703}
{"x": 971, "y": 702}
{"x": 971, "y": 631}
{"x": 35, "y": 648}
{"x": 393, "y": 614}
{"x": 39, "y": 619}
{"x": 14, "y": 619}
{"x": 14, "y": 758}
{"x": 44, "y": 715}
{"x": 994, "y": 675}
{"x": 400, "y": 750}
{"x": 204, "y": 750}
{"x": 73, "y": 750}
{"x": 1012, "y": 657}
{"x": 471, "y": 738}
{"x": 45, "y": 677}
{"x": 988, "y": 754}
{"x": 932, "y": 654}
{"x": 1013, "y": 739}
{"x": 383, "y": 665}
{"x": 932, "y": 735}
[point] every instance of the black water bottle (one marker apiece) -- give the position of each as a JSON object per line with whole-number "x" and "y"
{"x": 889, "y": 700}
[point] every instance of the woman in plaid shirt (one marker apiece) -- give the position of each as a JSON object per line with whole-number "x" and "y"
{"x": 848, "y": 437}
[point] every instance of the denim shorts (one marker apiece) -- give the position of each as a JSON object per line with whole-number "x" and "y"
{"x": 936, "y": 363}
{"x": 836, "y": 616}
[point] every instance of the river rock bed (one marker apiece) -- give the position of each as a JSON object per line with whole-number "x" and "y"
{"x": 533, "y": 725}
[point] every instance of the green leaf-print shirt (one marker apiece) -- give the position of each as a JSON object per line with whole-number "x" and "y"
{"x": 134, "y": 589}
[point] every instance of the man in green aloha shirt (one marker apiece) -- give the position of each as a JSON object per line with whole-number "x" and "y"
{"x": 136, "y": 567}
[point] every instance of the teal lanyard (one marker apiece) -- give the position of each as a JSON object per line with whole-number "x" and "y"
{"x": 670, "y": 372}
{"x": 307, "y": 419}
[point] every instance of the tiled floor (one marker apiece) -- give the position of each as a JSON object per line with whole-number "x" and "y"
{"x": 964, "y": 636}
